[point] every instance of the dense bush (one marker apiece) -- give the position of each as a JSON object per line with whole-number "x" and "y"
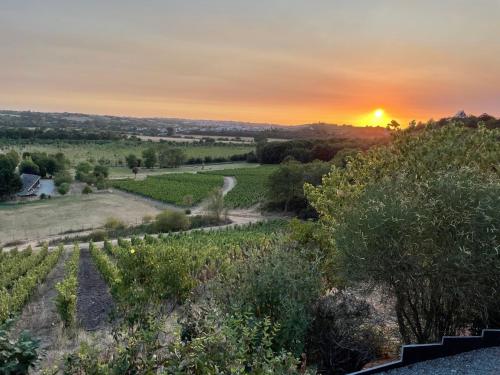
{"x": 62, "y": 177}
{"x": 231, "y": 344}
{"x": 169, "y": 221}
{"x": 306, "y": 151}
{"x": 87, "y": 190}
{"x": 63, "y": 189}
{"x": 29, "y": 167}
{"x": 285, "y": 186}
{"x": 278, "y": 284}
{"x": 420, "y": 218}
{"x": 341, "y": 338}
{"x": 17, "y": 357}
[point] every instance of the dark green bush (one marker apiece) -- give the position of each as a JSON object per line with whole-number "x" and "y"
{"x": 341, "y": 338}
{"x": 17, "y": 357}
{"x": 63, "y": 189}
{"x": 279, "y": 284}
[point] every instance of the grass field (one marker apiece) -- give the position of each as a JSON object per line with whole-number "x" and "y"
{"x": 250, "y": 185}
{"x": 42, "y": 218}
{"x": 172, "y": 188}
{"x": 115, "y": 151}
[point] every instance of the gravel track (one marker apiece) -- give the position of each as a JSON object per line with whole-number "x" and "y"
{"x": 476, "y": 362}
{"x": 94, "y": 300}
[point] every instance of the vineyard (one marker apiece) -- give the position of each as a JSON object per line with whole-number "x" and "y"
{"x": 115, "y": 151}
{"x": 173, "y": 188}
{"x": 170, "y": 267}
{"x": 251, "y": 185}
{"x": 20, "y": 273}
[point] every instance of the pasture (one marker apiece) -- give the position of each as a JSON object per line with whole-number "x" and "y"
{"x": 43, "y": 218}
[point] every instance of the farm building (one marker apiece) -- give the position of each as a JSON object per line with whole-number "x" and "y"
{"x": 31, "y": 182}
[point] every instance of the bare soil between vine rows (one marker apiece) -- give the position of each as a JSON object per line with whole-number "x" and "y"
{"x": 94, "y": 299}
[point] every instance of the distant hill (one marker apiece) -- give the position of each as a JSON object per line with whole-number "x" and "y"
{"x": 161, "y": 126}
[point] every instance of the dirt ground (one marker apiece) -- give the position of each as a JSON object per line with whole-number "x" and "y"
{"x": 42, "y": 219}
{"x": 94, "y": 300}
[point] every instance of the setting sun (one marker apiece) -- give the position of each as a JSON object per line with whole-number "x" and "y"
{"x": 379, "y": 113}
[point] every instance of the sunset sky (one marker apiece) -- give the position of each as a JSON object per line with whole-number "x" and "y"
{"x": 281, "y": 61}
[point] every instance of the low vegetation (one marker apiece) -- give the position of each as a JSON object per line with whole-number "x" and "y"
{"x": 67, "y": 290}
{"x": 13, "y": 298}
{"x": 172, "y": 188}
{"x": 251, "y": 185}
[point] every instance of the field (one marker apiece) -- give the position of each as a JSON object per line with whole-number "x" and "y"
{"x": 250, "y": 185}
{"x": 179, "y": 262}
{"x": 124, "y": 172}
{"x": 115, "y": 151}
{"x": 172, "y": 188}
{"x": 43, "y": 218}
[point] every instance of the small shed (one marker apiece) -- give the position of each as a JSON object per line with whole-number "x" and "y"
{"x": 31, "y": 182}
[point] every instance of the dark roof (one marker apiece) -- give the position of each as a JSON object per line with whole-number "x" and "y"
{"x": 28, "y": 180}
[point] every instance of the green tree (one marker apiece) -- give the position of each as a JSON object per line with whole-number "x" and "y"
{"x": 150, "y": 158}
{"x": 10, "y": 182}
{"x": 419, "y": 218}
{"x": 29, "y": 167}
{"x": 132, "y": 161}
{"x": 171, "y": 157}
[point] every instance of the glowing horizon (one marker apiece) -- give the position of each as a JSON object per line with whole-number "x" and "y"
{"x": 281, "y": 61}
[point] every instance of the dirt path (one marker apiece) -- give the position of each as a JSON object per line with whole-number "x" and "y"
{"x": 40, "y": 316}
{"x": 94, "y": 301}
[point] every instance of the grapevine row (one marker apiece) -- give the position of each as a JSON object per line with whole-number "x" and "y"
{"x": 67, "y": 289}
{"x": 13, "y": 300}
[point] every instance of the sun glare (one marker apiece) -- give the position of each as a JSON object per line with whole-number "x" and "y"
{"x": 379, "y": 113}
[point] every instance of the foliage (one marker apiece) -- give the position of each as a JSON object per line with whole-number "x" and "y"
{"x": 171, "y": 157}
{"x": 172, "y": 266}
{"x": 132, "y": 161}
{"x": 172, "y": 188}
{"x": 112, "y": 223}
{"x": 87, "y": 190}
{"x": 446, "y": 256}
{"x": 17, "y": 357}
{"x": 21, "y": 289}
{"x": 341, "y": 338}
{"x": 28, "y": 166}
{"x": 250, "y": 186}
{"x": 106, "y": 267}
{"x": 231, "y": 344}
{"x": 307, "y": 150}
{"x": 62, "y": 177}
{"x": 150, "y": 158}
{"x": 17, "y": 264}
{"x": 171, "y": 221}
{"x": 67, "y": 290}
{"x": 10, "y": 182}
{"x": 286, "y": 184}
{"x": 278, "y": 283}
{"x": 63, "y": 189}
{"x": 215, "y": 204}
{"x": 419, "y": 218}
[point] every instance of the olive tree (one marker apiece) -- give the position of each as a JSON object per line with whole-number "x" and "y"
{"x": 420, "y": 219}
